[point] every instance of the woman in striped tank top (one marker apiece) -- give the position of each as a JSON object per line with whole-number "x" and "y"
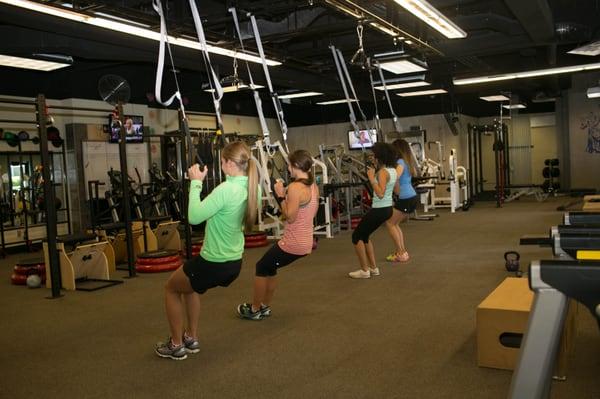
{"x": 383, "y": 182}
{"x": 299, "y": 206}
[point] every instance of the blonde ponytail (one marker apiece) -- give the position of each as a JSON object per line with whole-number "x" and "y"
{"x": 253, "y": 201}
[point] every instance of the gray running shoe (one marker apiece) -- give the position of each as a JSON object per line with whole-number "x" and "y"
{"x": 168, "y": 350}
{"x": 245, "y": 312}
{"x": 265, "y": 311}
{"x": 191, "y": 344}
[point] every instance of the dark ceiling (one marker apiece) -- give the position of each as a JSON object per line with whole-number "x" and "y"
{"x": 503, "y": 36}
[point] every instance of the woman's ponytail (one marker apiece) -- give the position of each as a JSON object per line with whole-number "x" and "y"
{"x": 253, "y": 200}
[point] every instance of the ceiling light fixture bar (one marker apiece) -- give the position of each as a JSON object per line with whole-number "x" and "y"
{"x": 593, "y": 92}
{"x": 499, "y": 97}
{"x": 527, "y": 74}
{"x": 422, "y": 93}
{"x": 131, "y": 30}
{"x": 127, "y": 21}
{"x": 300, "y": 95}
{"x": 432, "y": 17}
{"x": 30, "y": 63}
{"x": 514, "y": 106}
{"x": 400, "y": 63}
{"x": 332, "y": 102}
{"x": 590, "y": 49}
{"x": 401, "y": 67}
{"x": 406, "y": 85}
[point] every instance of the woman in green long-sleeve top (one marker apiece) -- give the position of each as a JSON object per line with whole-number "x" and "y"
{"x": 226, "y": 210}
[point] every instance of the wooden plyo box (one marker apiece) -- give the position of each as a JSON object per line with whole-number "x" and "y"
{"x": 502, "y": 318}
{"x": 591, "y": 203}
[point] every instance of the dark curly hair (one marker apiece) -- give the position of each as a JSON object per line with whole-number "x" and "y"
{"x": 385, "y": 154}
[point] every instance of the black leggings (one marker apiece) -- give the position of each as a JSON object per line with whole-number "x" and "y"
{"x": 370, "y": 222}
{"x": 273, "y": 259}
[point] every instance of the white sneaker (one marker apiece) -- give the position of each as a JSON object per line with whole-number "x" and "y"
{"x": 374, "y": 272}
{"x": 360, "y": 274}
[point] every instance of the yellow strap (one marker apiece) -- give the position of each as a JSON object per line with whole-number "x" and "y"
{"x": 588, "y": 255}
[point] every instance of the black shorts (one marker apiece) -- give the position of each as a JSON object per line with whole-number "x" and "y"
{"x": 369, "y": 223}
{"x": 406, "y": 205}
{"x": 204, "y": 274}
{"x": 273, "y": 259}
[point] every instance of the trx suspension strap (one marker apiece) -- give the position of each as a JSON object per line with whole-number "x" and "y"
{"x": 345, "y": 89}
{"x": 360, "y": 59}
{"x": 344, "y": 76}
{"x": 183, "y": 122}
{"x": 257, "y": 100}
{"x": 376, "y": 120}
{"x": 266, "y": 142}
{"x": 213, "y": 80}
{"x": 387, "y": 96}
{"x": 274, "y": 97}
{"x": 342, "y": 63}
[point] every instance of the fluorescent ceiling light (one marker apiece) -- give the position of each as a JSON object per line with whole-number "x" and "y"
{"x": 404, "y": 85}
{"x": 422, "y": 93}
{"x": 591, "y": 49}
{"x": 301, "y": 94}
{"x": 514, "y": 106}
{"x": 432, "y": 17}
{"x": 499, "y": 97}
{"x": 132, "y": 30}
{"x": 335, "y": 102}
{"x": 233, "y": 88}
{"x": 127, "y": 21}
{"x": 527, "y": 74}
{"x": 384, "y": 29}
{"x": 593, "y": 92}
{"x": 30, "y": 63}
{"x": 404, "y": 66}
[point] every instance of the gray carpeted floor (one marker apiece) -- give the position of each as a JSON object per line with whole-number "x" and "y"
{"x": 409, "y": 333}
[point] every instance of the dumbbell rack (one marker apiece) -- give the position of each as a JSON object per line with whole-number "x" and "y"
{"x": 551, "y": 173}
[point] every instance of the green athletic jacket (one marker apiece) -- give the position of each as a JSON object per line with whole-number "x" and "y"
{"x": 223, "y": 209}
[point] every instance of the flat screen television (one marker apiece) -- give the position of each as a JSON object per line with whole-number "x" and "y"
{"x": 134, "y": 128}
{"x": 366, "y": 139}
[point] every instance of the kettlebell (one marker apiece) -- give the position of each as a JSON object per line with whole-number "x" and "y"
{"x": 512, "y": 261}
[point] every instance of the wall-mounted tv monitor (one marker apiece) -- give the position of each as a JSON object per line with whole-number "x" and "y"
{"x": 365, "y": 138}
{"x": 134, "y": 128}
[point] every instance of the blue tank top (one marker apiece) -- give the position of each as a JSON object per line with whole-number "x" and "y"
{"x": 389, "y": 189}
{"x": 405, "y": 182}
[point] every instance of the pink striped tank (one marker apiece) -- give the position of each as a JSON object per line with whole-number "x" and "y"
{"x": 298, "y": 236}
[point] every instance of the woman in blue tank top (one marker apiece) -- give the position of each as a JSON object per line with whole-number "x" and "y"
{"x": 406, "y": 200}
{"x": 383, "y": 182}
